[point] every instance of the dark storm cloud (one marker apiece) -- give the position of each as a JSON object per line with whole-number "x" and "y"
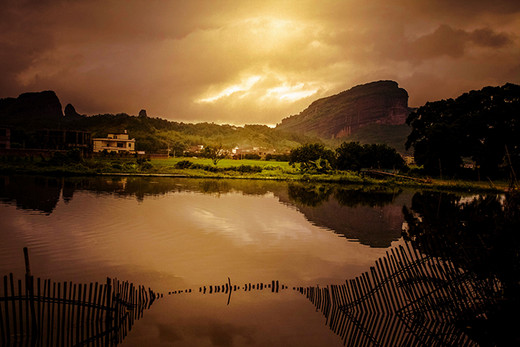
{"x": 447, "y": 41}
{"x": 22, "y": 40}
{"x": 488, "y": 38}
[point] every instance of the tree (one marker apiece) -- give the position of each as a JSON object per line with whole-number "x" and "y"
{"x": 349, "y": 156}
{"x": 382, "y": 156}
{"x": 215, "y": 153}
{"x": 312, "y": 157}
{"x": 479, "y": 125}
{"x": 177, "y": 148}
{"x": 353, "y": 156}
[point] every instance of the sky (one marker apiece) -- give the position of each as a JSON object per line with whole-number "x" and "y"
{"x": 244, "y": 62}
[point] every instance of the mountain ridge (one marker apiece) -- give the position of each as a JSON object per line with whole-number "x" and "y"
{"x": 340, "y": 115}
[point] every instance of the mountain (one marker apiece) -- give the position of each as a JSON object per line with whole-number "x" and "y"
{"x": 38, "y": 108}
{"x": 341, "y": 115}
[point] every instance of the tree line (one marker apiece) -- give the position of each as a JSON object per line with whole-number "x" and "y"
{"x": 351, "y": 156}
{"x": 477, "y": 133}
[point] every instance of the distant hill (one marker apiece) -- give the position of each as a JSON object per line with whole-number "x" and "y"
{"x": 343, "y": 114}
{"x": 30, "y": 112}
{"x": 370, "y": 111}
{"x": 37, "y": 109}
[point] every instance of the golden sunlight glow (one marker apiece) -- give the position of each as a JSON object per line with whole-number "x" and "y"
{"x": 267, "y": 33}
{"x": 289, "y": 93}
{"x": 255, "y": 39}
{"x": 243, "y": 86}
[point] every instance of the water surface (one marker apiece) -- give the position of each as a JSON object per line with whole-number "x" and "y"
{"x": 185, "y": 234}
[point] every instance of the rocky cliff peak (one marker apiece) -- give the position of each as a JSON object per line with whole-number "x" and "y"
{"x": 336, "y": 116}
{"x": 70, "y": 112}
{"x": 42, "y": 107}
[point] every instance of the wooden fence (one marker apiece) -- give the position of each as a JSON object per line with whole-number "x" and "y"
{"x": 406, "y": 299}
{"x": 40, "y": 312}
{"x": 228, "y": 288}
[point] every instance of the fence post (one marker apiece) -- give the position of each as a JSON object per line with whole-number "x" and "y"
{"x": 29, "y": 284}
{"x": 109, "y": 310}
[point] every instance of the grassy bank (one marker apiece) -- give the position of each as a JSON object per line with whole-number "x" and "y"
{"x": 225, "y": 168}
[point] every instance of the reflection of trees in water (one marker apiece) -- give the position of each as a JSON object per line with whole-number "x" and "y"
{"x": 363, "y": 197}
{"x": 455, "y": 283}
{"x": 370, "y": 216}
{"x": 480, "y": 236}
{"x": 214, "y": 187}
{"x": 309, "y": 194}
{"x": 314, "y": 194}
{"x": 43, "y": 193}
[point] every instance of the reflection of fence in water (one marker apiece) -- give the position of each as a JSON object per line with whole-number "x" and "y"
{"x": 45, "y": 313}
{"x": 406, "y": 299}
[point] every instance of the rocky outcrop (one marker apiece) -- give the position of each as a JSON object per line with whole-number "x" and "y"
{"x": 39, "y": 107}
{"x": 71, "y": 114}
{"x": 340, "y": 115}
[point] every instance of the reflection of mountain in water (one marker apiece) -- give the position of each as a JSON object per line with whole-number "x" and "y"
{"x": 373, "y": 217}
{"x": 34, "y": 193}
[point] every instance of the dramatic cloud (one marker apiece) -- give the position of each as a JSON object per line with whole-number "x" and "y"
{"x": 250, "y": 62}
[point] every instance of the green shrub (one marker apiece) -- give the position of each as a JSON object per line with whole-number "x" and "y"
{"x": 247, "y": 168}
{"x": 184, "y": 164}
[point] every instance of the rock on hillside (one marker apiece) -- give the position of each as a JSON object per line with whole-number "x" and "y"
{"x": 44, "y": 107}
{"x": 71, "y": 114}
{"x": 340, "y": 115}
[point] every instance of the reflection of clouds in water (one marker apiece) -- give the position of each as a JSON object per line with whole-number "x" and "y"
{"x": 250, "y": 219}
{"x": 218, "y": 333}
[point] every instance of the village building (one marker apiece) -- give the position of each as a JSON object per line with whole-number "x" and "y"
{"x": 62, "y": 139}
{"x": 44, "y": 142}
{"x": 114, "y": 142}
{"x": 250, "y": 152}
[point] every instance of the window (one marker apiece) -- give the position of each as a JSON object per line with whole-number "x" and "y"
{"x": 120, "y": 144}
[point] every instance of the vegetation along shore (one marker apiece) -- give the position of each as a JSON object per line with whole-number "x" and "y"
{"x": 470, "y": 143}
{"x": 232, "y": 169}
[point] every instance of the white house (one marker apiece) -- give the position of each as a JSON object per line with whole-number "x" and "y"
{"x": 116, "y": 142}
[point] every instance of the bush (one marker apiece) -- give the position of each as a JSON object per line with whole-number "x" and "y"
{"x": 146, "y": 166}
{"x": 183, "y": 164}
{"x": 247, "y": 168}
{"x": 252, "y": 156}
{"x": 277, "y": 157}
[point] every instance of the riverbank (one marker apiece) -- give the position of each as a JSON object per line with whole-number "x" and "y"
{"x": 230, "y": 169}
